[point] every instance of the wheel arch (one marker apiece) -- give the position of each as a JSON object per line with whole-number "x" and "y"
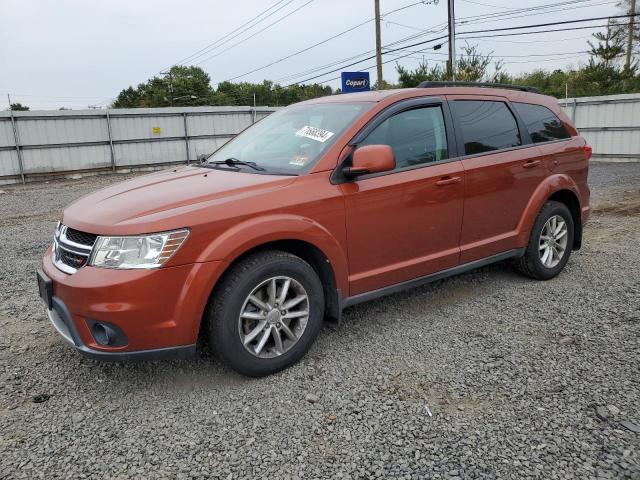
{"x": 570, "y": 199}
{"x": 560, "y": 188}
{"x": 297, "y": 235}
{"x": 315, "y": 257}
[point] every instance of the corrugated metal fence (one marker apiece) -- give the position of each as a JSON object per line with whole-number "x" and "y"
{"x": 39, "y": 144}
{"x": 45, "y": 143}
{"x": 611, "y": 125}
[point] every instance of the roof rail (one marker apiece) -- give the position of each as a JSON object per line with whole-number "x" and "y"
{"x": 428, "y": 84}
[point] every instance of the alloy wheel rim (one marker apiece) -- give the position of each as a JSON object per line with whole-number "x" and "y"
{"x": 273, "y": 317}
{"x": 553, "y": 241}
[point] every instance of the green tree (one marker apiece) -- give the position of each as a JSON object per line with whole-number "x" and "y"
{"x": 424, "y": 72}
{"x": 471, "y": 66}
{"x": 385, "y": 86}
{"x": 266, "y": 93}
{"x": 190, "y": 86}
{"x": 610, "y": 46}
{"x": 18, "y": 107}
{"x": 622, "y": 27}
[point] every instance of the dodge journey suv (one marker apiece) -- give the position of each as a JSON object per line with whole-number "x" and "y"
{"x": 319, "y": 206}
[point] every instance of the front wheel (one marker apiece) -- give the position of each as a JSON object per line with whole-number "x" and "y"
{"x": 550, "y": 242}
{"x": 266, "y": 313}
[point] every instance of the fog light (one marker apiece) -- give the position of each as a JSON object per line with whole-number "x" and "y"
{"x": 103, "y": 334}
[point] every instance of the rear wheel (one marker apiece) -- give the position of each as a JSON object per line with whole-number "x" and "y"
{"x": 550, "y": 242}
{"x": 266, "y": 313}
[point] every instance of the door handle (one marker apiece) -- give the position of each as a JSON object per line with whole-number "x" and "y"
{"x": 531, "y": 163}
{"x": 448, "y": 181}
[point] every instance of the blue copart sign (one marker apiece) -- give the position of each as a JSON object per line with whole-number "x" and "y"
{"x": 355, "y": 82}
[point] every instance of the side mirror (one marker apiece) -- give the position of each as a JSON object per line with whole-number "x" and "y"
{"x": 371, "y": 159}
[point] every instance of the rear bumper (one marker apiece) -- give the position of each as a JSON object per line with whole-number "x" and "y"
{"x": 157, "y": 312}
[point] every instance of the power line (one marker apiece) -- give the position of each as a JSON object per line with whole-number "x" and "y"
{"x": 306, "y": 49}
{"x": 511, "y": 56}
{"x": 504, "y": 15}
{"x": 516, "y": 11}
{"x": 550, "y": 9}
{"x": 233, "y": 37}
{"x": 433, "y": 30}
{"x": 565, "y": 22}
{"x": 232, "y": 32}
{"x": 566, "y": 29}
{"x": 472, "y": 19}
{"x": 369, "y": 58}
{"x": 254, "y": 34}
{"x": 505, "y": 63}
{"x": 528, "y": 42}
{"x": 484, "y": 4}
{"x": 548, "y": 24}
{"x": 299, "y": 51}
{"x": 309, "y": 72}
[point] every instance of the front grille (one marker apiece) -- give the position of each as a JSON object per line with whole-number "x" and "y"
{"x": 82, "y": 238}
{"x": 71, "y": 259}
{"x": 71, "y": 248}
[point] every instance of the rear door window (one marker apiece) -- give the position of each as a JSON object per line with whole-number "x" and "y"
{"x": 486, "y": 125}
{"x": 543, "y": 125}
{"x": 417, "y": 136}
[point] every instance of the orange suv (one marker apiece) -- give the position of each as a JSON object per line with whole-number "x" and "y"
{"x": 320, "y": 206}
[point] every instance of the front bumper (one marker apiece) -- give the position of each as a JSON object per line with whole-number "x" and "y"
{"x": 61, "y": 320}
{"x": 159, "y": 311}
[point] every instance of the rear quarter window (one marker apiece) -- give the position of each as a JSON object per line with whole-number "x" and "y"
{"x": 486, "y": 125}
{"x": 543, "y": 125}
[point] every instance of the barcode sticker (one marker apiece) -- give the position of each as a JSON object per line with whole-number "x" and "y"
{"x": 314, "y": 133}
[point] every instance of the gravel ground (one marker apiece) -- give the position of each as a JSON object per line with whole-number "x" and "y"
{"x": 486, "y": 375}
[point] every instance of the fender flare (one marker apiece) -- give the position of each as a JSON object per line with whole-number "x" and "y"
{"x": 256, "y": 231}
{"x": 547, "y": 187}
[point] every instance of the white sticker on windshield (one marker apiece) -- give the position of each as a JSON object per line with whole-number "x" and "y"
{"x": 314, "y": 133}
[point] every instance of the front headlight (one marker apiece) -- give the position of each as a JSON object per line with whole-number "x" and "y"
{"x": 144, "y": 251}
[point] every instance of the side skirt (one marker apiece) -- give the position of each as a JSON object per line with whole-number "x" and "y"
{"x": 417, "y": 282}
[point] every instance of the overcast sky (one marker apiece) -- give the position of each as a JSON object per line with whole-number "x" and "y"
{"x": 75, "y": 53}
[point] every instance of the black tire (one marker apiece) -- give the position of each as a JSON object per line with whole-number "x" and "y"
{"x": 228, "y": 299}
{"x": 530, "y": 264}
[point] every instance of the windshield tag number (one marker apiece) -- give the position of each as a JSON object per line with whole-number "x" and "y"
{"x": 314, "y": 133}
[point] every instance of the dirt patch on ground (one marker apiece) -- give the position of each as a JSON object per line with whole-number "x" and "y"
{"x": 625, "y": 207}
{"x": 617, "y": 201}
{"x": 411, "y": 385}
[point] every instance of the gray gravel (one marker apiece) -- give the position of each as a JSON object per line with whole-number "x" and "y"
{"x": 486, "y": 375}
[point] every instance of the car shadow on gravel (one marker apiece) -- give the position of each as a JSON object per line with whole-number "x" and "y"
{"x": 376, "y": 317}
{"x": 440, "y": 294}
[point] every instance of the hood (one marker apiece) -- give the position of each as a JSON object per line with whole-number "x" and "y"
{"x": 157, "y": 201}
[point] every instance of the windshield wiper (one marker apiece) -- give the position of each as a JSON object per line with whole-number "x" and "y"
{"x": 234, "y": 162}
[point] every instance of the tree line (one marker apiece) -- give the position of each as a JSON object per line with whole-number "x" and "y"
{"x": 191, "y": 86}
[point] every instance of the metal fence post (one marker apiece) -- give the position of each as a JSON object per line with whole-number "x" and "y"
{"x": 16, "y": 139}
{"x": 113, "y": 153}
{"x": 253, "y": 115}
{"x": 573, "y": 111}
{"x": 186, "y": 136}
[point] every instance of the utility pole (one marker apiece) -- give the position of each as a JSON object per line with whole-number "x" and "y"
{"x": 9, "y": 99}
{"x": 378, "y": 44}
{"x": 451, "y": 65}
{"x": 632, "y": 11}
{"x": 169, "y": 74}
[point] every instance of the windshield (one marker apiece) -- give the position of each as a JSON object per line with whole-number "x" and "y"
{"x": 289, "y": 140}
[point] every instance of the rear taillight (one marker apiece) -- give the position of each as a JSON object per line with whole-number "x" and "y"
{"x": 588, "y": 151}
